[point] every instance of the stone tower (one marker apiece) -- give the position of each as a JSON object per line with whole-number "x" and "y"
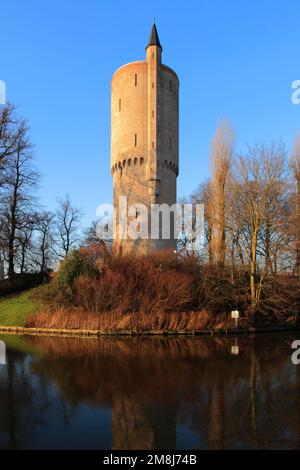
{"x": 144, "y": 143}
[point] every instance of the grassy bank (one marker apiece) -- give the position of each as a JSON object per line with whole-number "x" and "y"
{"x": 15, "y": 309}
{"x": 157, "y": 293}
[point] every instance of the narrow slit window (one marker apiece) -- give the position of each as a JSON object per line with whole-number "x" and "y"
{"x": 170, "y": 143}
{"x": 135, "y": 80}
{"x": 119, "y": 104}
{"x": 152, "y": 144}
{"x": 152, "y": 84}
{"x": 153, "y": 113}
{"x": 135, "y": 140}
{"x": 170, "y": 85}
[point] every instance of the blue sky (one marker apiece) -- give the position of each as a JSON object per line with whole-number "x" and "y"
{"x": 236, "y": 58}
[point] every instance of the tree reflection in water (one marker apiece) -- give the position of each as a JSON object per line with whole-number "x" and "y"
{"x": 151, "y": 393}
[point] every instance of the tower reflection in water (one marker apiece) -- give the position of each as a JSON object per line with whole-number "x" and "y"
{"x": 150, "y": 393}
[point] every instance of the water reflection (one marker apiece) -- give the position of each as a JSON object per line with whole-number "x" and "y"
{"x": 150, "y": 393}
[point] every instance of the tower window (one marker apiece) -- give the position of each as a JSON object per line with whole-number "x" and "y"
{"x": 135, "y": 161}
{"x": 119, "y": 104}
{"x": 170, "y": 85}
{"x": 152, "y": 55}
{"x": 153, "y": 113}
{"x": 152, "y": 84}
{"x": 170, "y": 143}
{"x": 153, "y": 144}
{"x": 135, "y": 140}
{"x": 135, "y": 80}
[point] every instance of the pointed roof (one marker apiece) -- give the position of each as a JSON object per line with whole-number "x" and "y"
{"x": 154, "y": 39}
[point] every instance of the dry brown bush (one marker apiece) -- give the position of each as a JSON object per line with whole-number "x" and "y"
{"x": 164, "y": 292}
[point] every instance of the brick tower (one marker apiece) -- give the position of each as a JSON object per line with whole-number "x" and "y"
{"x": 144, "y": 142}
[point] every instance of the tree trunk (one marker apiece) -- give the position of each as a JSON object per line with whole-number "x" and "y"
{"x": 11, "y": 255}
{"x": 253, "y": 267}
{"x": 268, "y": 264}
{"x": 298, "y": 230}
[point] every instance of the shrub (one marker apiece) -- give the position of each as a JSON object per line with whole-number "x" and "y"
{"x": 280, "y": 298}
{"x": 220, "y": 292}
{"x": 75, "y": 264}
{"x": 135, "y": 286}
{"x": 141, "y": 286}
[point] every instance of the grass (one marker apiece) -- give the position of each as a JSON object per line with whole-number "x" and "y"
{"x": 15, "y": 309}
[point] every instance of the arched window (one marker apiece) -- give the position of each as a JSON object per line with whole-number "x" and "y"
{"x": 135, "y": 161}
{"x": 141, "y": 161}
{"x": 129, "y": 161}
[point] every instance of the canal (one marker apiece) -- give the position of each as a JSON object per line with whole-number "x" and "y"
{"x": 150, "y": 393}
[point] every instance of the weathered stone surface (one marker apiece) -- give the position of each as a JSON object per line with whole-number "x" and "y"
{"x": 144, "y": 140}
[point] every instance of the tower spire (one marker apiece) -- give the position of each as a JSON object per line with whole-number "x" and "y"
{"x": 154, "y": 39}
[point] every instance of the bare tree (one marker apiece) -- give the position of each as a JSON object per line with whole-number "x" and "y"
{"x": 67, "y": 226}
{"x": 44, "y": 243}
{"x": 25, "y": 244}
{"x": 260, "y": 192}
{"x": 221, "y": 158}
{"x": 17, "y": 201}
{"x": 13, "y": 136}
{"x": 295, "y": 164}
{"x": 93, "y": 235}
{"x": 202, "y": 195}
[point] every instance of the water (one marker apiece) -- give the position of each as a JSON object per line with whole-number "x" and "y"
{"x": 150, "y": 393}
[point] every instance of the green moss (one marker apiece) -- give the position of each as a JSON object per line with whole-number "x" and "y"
{"x": 15, "y": 309}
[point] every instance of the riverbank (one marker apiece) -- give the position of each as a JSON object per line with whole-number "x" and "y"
{"x": 16, "y": 308}
{"x": 171, "y": 333}
{"x": 24, "y": 314}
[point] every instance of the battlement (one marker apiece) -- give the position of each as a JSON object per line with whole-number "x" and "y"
{"x": 134, "y": 162}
